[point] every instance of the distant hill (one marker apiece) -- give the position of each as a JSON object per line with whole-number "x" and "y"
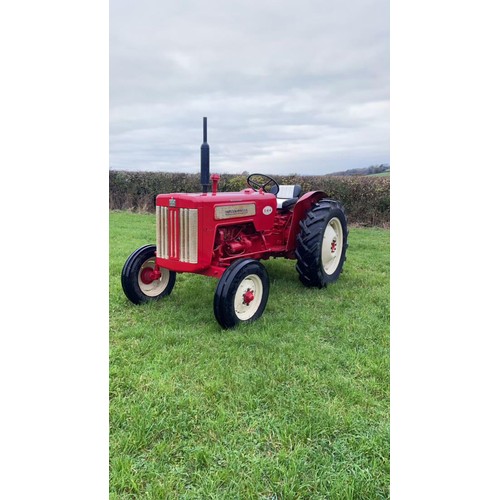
{"x": 373, "y": 170}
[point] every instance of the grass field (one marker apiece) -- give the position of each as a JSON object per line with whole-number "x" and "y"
{"x": 295, "y": 405}
{"x": 381, "y": 174}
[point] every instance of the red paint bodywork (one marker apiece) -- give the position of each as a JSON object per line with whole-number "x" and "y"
{"x": 267, "y": 233}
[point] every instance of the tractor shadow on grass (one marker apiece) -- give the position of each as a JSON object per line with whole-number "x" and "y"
{"x": 189, "y": 307}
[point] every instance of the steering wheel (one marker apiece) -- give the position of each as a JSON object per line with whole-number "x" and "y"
{"x": 261, "y": 181}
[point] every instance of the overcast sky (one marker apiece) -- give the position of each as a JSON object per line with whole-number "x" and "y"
{"x": 288, "y": 87}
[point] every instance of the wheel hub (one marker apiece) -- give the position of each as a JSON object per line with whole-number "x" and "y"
{"x": 331, "y": 249}
{"x": 148, "y": 275}
{"x": 248, "y": 296}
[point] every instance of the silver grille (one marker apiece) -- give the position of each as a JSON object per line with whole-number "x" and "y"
{"x": 189, "y": 235}
{"x": 162, "y": 225}
{"x": 169, "y": 231}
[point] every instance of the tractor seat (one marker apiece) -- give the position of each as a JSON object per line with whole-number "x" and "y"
{"x": 287, "y": 196}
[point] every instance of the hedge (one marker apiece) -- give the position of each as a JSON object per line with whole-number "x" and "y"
{"x": 366, "y": 198}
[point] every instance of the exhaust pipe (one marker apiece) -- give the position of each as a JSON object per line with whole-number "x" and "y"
{"x": 205, "y": 159}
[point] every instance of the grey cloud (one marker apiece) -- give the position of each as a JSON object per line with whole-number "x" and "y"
{"x": 287, "y": 86}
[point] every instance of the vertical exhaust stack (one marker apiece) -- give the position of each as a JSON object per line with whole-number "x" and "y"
{"x": 205, "y": 159}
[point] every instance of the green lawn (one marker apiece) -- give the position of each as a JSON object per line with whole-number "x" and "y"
{"x": 295, "y": 405}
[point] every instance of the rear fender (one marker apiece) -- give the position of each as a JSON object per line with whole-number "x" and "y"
{"x": 300, "y": 210}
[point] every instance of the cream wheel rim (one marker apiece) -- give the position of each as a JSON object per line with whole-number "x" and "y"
{"x": 156, "y": 287}
{"x": 248, "y": 297}
{"x": 331, "y": 248}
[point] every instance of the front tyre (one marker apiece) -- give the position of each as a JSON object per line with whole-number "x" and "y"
{"x": 138, "y": 279}
{"x": 241, "y": 294}
{"x": 322, "y": 244}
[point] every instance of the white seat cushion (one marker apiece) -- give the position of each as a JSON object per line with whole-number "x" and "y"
{"x": 287, "y": 193}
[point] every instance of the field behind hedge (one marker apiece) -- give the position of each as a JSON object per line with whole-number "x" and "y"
{"x": 366, "y": 198}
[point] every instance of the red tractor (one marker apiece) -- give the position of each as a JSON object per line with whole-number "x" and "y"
{"x": 224, "y": 235}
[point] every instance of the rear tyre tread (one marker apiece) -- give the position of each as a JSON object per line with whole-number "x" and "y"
{"x": 309, "y": 241}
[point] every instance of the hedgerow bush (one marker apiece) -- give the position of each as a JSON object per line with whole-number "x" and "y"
{"x": 366, "y": 198}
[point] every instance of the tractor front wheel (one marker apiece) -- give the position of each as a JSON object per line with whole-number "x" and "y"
{"x": 138, "y": 277}
{"x": 322, "y": 244}
{"x": 241, "y": 294}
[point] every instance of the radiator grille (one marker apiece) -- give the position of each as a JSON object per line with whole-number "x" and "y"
{"x": 162, "y": 227}
{"x": 189, "y": 235}
{"x": 177, "y": 234}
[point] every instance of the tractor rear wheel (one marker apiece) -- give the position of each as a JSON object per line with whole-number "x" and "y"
{"x": 138, "y": 281}
{"x": 241, "y": 294}
{"x": 322, "y": 244}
